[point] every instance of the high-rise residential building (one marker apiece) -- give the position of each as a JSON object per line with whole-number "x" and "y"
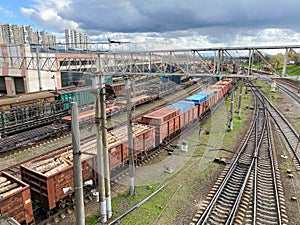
{"x": 76, "y": 39}
{"x": 15, "y": 34}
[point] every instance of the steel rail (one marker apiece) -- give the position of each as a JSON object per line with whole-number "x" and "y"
{"x": 289, "y": 92}
{"x": 213, "y": 201}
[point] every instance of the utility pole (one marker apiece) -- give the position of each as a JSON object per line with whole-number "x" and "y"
{"x": 130, "y": 135}
{"x": 230, "y": 126}
{"x": 39, "y": 67}
{"x": 250, "y": 65}
{"x": 240, "y": 99}
{"x": 285, "y": 62}
{"x": 100, "y": 161}
{"x": 105, "y": 149}
{"x": 80, "y": 217}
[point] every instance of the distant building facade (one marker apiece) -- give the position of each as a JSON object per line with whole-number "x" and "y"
{"x": 76, "y": 39}
{"x": 20, "y": 78}
{"x": 15, "y": 34}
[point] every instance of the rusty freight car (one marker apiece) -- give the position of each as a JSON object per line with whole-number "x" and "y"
{"x": 165, "y": 121}
{"x": 49, "y": 175}
{"x": 143, "y": 140}
{"x": 15, "y": 199}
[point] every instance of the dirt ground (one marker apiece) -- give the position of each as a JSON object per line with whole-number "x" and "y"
{"x": 291, "y": 110}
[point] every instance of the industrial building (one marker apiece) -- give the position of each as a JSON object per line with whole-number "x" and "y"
{"x": 28, "y": 79}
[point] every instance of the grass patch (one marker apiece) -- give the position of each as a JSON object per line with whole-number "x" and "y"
{"x": 266, "y": 89}
{"x": 291, "y": 70}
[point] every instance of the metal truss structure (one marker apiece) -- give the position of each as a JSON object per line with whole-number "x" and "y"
{"x": 231, "y": 61}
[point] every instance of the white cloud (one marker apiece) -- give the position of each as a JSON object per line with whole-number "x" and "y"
{"x": 46, "y": 14}
{"x": 176, "y": 23}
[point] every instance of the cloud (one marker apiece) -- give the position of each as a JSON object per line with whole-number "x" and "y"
{"x": 166, "y": 15}
{"x": 180, "y": 23}
{"x": 47, "y": 15}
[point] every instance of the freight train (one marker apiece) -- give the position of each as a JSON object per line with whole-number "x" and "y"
{"x": 49, "y": 175}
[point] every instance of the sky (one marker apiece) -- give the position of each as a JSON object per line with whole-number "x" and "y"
{"x": 164, "y": 24}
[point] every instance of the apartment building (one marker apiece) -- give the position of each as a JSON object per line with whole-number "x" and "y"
{"x": 15, "y": 34}
{"x": 76, "y": 39}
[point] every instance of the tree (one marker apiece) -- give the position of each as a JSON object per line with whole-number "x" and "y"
{"x": 293, "y": 56}
{"x": 277, "y": 61}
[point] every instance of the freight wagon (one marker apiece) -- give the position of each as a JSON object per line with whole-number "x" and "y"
{"x": 15, "y": 199}
{"x": 82, "y": 95}
{"x": 49, "y": 175}
{"x": 143, "y": 140}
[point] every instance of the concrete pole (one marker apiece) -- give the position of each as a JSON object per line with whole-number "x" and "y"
{"x": 100, "y": 151}
{"x": 80, "y": 216}
{"x": 105, "y": 150}
{"x": 285, "y": 62}
{"x": 100, "y": 164}
{"x": 218, "y": 63}
{"x": 250, "y": 62}
{"x": 130, "y": 136}
{"x": 231, "y": 109}
{"x": 39, "y": 68}
{"x": 240, "y": 99}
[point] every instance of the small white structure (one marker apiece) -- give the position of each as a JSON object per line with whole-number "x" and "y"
{"x": 273, "y": 86}
{"x": 184, "y": 146}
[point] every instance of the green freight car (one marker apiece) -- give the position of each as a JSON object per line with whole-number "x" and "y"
{"x": 83, "y": 96}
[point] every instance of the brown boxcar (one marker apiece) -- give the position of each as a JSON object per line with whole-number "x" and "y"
{"x": 48, "y": 175}
{"x": 143, "y": 139}
{"x": 188, "y": 116}
{"x": 165, "y": 121}
{"x": 15, "y": 199}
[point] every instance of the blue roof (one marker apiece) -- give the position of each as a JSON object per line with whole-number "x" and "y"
{"x": 183, "y": 106}
{"x": 197, "y": 98}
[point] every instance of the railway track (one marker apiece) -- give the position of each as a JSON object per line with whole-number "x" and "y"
{"x": 290, "y": 135}
{"x": 30, "y": 137}
{"x": 289, "y": 92}
{"x": 248, "y": 191}
{"x": 294, "y": 84}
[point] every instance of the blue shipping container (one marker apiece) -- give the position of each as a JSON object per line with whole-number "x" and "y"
{"x": 207, "y": 93}
{"x": 183, "y": 106}
{"x": 197, "y": 98}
